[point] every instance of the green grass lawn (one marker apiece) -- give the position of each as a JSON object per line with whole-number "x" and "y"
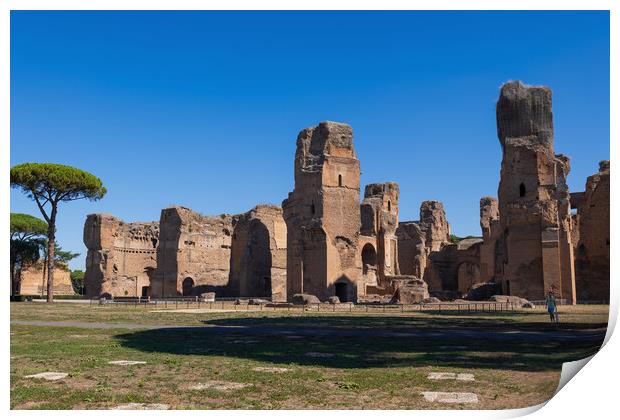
{"x": 362, "y": 372}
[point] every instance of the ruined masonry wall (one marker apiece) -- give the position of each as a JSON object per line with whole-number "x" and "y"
{"x": 121, "y": 257}
{"x": 592, "y": 251}
{"x": 33, "y": 281}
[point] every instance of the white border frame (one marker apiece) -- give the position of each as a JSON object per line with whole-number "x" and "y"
{"x": 593, "y": 394}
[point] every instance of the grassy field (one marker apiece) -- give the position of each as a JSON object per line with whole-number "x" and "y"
{"x": 351, "y": 372}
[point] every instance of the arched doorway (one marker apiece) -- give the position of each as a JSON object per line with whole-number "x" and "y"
{"x": 188, "y": 286}
{"x": 342, "y": 291}
{"x": 369, "y": 257}
{"x": 146, "y": 280}
{"x": 468, "y": 274}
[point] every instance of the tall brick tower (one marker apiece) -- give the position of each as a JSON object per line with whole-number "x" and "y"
{"x": 534, "y": 201}
{"x": 322, "y": 214}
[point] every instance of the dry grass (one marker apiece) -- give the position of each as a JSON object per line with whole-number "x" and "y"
{"x": 377, "y": 373}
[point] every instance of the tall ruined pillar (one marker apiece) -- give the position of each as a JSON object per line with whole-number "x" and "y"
{"x": 99, "y": 232}
{"x": 491, "y": 230}
{"x": 322, "y": 214}
{"x": 534, "y": 201}
{"x": 412, "y": 253}
{"x": 434, "y": 222}
{"x": 378, "y": 240}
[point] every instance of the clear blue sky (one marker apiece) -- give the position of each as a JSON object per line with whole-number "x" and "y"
{"x": 202, "y": 109}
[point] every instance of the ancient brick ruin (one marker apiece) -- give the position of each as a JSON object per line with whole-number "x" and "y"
{"x": 188, "y": 254}
{"x": 491, "y": 228}
{"x": 530, "y": 242}
{"x": 592, "y": 244}
{"x": 258, "y": 263}
{"x": 121, "y": 258}
{"x": 421, "y": 243}
{"x": 327, "y": 242}
{"x": 378, "y": 242}
{"x": 33, "y": 281}
{"x": 534, "y": 202}
{"x": 322, "y": 214}
{"x": 338, "y": 246}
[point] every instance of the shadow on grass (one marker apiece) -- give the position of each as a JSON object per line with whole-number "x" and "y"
{"x": 436, "y": 320}
{"x": 266, "y": 341}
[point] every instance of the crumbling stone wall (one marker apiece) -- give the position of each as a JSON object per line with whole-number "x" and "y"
{"x": 322, "y": 214}
{"x": 258, "y": 259}
{"x": 534, "y": 202}
{"x": 378, "y": 241}
{"x": 240, "y": 255}
{"x": 425, "y": 251}
{"x": 455, "y": 267}
{"x": 194, "y": 253}
{"x": 33, "y": 281}
{"x": 467, "y": 262}
{"x": 433, "y": 221}
{"x": 592, "y": 256}
{"x": 412, "y": 251}
{"x": 419, "y": 239}
{"x": 491, "y": 232}
{"x": 121, "y": 258}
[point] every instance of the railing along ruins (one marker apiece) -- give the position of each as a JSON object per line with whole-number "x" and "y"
{"x": 245, "y": 304}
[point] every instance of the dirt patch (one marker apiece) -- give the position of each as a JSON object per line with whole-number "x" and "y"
{"x": 30, "y": 405}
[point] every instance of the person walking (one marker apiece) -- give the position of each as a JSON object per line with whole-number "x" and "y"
{"x": 552, "y": 307}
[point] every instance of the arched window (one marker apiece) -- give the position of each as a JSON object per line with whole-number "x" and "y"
{"x": 369, "y": 257}
{"x": 340, "y": 180}
{"x": 312, "y": 209}
{"x": 522, "y": 190}
{"x": 389, "y": 205}
{"x": 188, "y": 286}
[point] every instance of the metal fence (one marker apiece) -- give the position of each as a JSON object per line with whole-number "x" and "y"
{"x": 245, "y": 305}
{"x": 543, "y": 302}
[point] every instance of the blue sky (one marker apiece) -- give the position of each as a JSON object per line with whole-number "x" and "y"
{"x": 202, "y": 109}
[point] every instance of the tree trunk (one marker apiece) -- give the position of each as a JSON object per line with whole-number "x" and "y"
{"x": 13, "y": 286}
{"x": 13, "y": 265}
{"x": 44, "y": 274}
{"x": 51, "y": 240}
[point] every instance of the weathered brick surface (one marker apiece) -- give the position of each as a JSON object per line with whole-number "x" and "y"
{"x": 121, "y": 258}
{"x": 592, "y": 258}
{"x": 534, "y": 201}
